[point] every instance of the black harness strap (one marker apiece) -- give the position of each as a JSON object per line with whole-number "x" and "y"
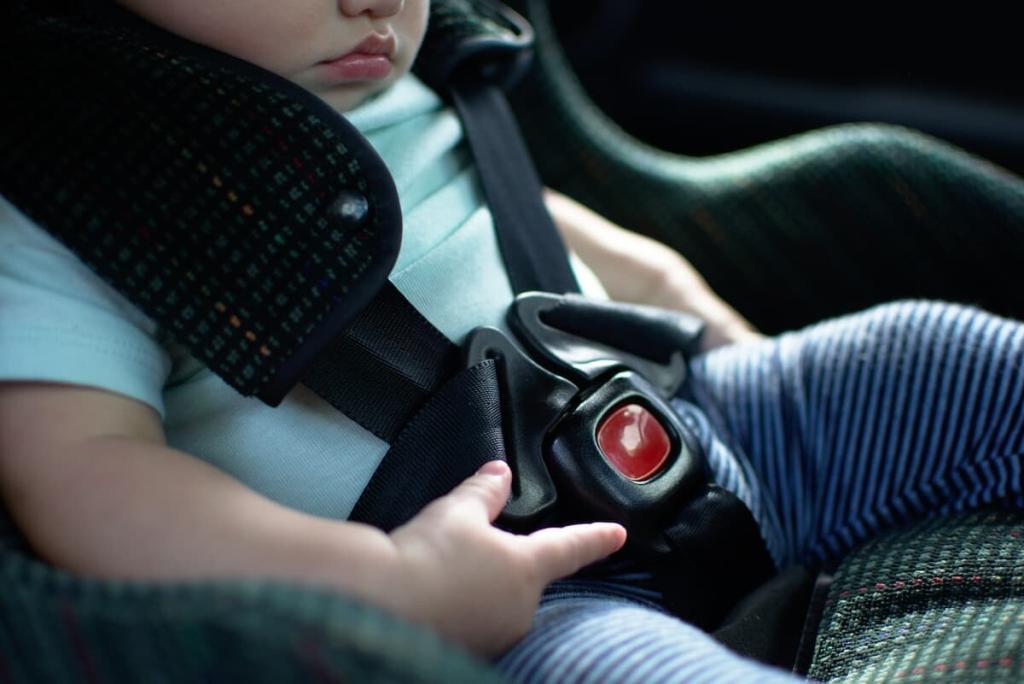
{"x": 391, "y": 360}
{"x": 384, "y": 370}
{"x": 455, "y": 432}
{"x": 385, "y": 366}
{"x": 534, "y": 254}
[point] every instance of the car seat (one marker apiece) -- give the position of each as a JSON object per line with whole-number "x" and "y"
{"x": 746, "y": 216}
{"x": 796, "y": 230}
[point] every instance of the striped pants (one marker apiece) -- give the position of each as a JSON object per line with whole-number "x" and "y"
{"x": 829, "y": 435}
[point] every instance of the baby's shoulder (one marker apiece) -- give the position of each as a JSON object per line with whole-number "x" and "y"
{"x": 35, "y": 266}
{"x": 18, "y": 231}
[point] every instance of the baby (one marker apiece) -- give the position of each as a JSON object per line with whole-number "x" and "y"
{"x": 148, "y": 467}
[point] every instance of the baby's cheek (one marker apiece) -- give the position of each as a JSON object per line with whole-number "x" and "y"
{"x": 412, "y": 26}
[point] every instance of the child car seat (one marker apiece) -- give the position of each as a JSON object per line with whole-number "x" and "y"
{"x": 108, "y": 630}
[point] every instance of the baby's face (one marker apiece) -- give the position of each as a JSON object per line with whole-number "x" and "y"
{"x": 342, "y": 50}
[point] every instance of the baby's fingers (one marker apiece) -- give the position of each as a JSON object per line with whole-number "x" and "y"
{"x": 561, "y": 551}
{"x": 479, "y": 497}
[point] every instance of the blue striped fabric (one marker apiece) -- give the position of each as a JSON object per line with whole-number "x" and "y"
{"x": 829, "y": 434}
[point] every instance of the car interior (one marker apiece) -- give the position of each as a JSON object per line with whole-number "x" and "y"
{"x": 827, "y": 172}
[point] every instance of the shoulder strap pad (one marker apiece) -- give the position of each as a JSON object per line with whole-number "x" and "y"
{"x": 235, "y": 208}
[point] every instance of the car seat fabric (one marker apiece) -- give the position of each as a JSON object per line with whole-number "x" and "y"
{"x": 796, "y": 230}
{"x": 941, "y": 599}
{"x": 58, "y": 628}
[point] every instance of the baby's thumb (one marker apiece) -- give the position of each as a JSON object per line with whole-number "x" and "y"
{"x": 485, "y": 492}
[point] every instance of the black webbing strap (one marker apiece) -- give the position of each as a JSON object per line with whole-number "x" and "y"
{"x": 392, "y": 359}
{"x": 531, "y": 247}
{"x": 396, "y": 375}
{"x": 385, "y": 366}
{"x": 455, "y": 432}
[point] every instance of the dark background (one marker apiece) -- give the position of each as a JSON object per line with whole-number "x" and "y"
{"x": 701, "y": 79}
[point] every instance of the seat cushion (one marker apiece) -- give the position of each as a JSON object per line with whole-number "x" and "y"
{"x": 938, "y": 599}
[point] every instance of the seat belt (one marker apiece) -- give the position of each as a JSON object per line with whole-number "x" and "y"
{"x": 390, "y": 363}
{"x": 393, "y": 373}
{"x": 533, "y": 251}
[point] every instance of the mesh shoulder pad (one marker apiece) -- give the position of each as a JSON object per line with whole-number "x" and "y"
{"x": 239, "y": 211}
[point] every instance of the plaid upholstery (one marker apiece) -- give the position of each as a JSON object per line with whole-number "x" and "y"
{"x": 59, "y": 628}
{"x": 939, "y": 600}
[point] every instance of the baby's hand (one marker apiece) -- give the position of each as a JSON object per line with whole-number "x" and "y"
{"x": 474, "y": 583}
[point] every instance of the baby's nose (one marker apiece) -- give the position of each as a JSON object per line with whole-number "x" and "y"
{"x": 375, "y": 8}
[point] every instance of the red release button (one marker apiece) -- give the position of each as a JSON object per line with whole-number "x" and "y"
{"x": 634, "y": 442}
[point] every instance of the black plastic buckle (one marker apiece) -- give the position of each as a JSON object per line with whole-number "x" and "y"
{"x": 558, "y": 387}
{"x": 534, "y": 399}
{"x": 595, "y": 489}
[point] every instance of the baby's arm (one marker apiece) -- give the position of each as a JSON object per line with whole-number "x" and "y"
{"x": 88, "y": 477}
{"x": 635, "y": 268}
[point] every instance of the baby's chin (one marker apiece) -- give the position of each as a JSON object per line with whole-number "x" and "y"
{"x": 348, "y": 97}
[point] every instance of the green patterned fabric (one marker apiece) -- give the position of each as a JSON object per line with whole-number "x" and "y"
{"x": 58, "y": 628}
{"x": 943, "y": 599}
{"x": 796, "y": 230}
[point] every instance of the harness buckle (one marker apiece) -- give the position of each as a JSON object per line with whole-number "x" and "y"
{"x": 607, "y": 481}
{"x": 587, "y": 434}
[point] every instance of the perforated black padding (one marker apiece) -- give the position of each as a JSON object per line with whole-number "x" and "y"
{"x": 238, "y": 210}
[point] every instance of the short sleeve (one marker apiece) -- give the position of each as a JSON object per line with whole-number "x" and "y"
{"x": 60, "y": 323}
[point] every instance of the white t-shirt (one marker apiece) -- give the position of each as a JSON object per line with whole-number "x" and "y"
{"x": 59, "y": 322}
